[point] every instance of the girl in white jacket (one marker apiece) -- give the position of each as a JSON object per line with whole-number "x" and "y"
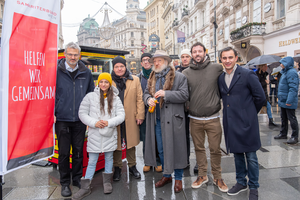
{"x": 101, "y": 110}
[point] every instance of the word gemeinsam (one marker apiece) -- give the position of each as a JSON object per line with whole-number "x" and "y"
{"x": 34, "y": 58}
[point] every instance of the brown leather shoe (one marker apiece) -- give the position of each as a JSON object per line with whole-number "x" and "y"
{"x": 178, "y": 186}
{"x": 163, "y": 182}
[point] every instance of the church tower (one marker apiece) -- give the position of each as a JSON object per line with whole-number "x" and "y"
{"x": 132, "y": 5}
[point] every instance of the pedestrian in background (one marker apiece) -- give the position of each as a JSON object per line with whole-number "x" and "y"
{"x": 288, "y": 99}
{"x": 144, "y": 76}
{"x": 262, "y": 76}
{"x": 166, "y": 124}
{"x": 186, "y": 57}
{"x": 273, "y": 89}
{"x": 131, "y": 95}
{"x": 101, "y": 110}
{"x": 204, "y": 107}
{"x": 242, "y": 97}
{"x": 74, "y": 80}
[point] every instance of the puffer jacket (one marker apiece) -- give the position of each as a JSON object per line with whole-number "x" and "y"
{"x": 101, "y": 139}
{"x": 288, "y": 84}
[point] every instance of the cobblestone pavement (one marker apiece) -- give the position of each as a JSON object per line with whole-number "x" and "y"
{"x": 279, "y": 176}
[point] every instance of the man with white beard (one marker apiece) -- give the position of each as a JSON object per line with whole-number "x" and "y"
{"x": 166, "y": 124}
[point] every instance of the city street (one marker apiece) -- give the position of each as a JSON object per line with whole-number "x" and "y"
{"x": 279, "y": 176}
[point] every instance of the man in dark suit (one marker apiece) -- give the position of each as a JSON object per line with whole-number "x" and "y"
{"x": 243, "y": 97}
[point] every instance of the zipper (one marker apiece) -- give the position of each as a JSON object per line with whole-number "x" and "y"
{"x": 74, "y": 100}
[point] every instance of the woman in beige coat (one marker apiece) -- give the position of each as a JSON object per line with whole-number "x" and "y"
{"x": 131, "y": 95}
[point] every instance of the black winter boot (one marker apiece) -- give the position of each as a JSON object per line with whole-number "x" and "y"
{"x": 271, "y": 122}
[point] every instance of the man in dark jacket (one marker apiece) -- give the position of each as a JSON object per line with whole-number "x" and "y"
{"x": 74, "y": 80}
{"x": 243, "y": 97}
{"x": 144, "y": 76}
{"x": 204, "y": 107}
{"x": 288, "y": 99}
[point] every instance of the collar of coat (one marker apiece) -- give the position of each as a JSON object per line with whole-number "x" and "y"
{"x": 167, "y": 86}
{"x": 198, "y": 66}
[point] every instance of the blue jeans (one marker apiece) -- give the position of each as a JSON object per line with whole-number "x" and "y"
{"x": 252, "y": 169}
{"x": 178, "y": 172}
{"x": 269, "y": 110}
{"x": 93, "y": 158}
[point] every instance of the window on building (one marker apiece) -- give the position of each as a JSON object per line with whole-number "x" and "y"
{"x": 280, "y": 8}
{"x": 142, "y": 26}
{"x": 132, "y": 52}
{"x": 195, "y": 24}
{"x": 132, "y": 43}
{"x": 257, "y": 11}
{"x": 203, "y": 17}
{"x": 226, "y": 34}
{"x": 143, "y": 42}
{"x": 238, "y": 21}
{"x": 142, "y": 34}
{"x": 1, "y": 14}
{"x": 157, "y": 22}
{"x": 132, "y": 34}
{"x": 192, "y": 27}
{"x": 131, "y": 25}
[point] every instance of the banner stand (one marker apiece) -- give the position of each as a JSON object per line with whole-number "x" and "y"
{"x": 1, "y": 183}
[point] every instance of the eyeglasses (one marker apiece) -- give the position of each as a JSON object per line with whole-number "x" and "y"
{"x": 71, "y": 55}
{"x": 145, "y": 60}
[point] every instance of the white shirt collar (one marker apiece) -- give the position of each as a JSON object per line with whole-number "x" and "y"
{"x": 70, "y": 69}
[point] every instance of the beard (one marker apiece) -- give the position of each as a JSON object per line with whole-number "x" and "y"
{"x": 201, "y": 60}
{"x": 159, "y": 69}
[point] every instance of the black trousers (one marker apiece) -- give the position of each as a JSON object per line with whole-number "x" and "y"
{"x": 70, "y": 133}
{"x": 289, "y": 115}
{"x": 187, "y": 132}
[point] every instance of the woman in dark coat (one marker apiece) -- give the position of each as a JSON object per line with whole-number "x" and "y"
{"x": 262, "y": 76}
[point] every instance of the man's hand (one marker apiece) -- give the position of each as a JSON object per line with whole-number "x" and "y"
{"x": 288, "y": 104}
{"x": 267, "y": 81}
{"x": 151, "y": 102}
{"x": 159, "y": 93}
{"x": 54, "y": 119}
{"x": 139, "y": 121}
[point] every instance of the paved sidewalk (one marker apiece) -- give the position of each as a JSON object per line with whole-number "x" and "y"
{"x": 279, "y": 176}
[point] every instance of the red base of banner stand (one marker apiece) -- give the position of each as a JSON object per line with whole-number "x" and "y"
{"x": 101, "y": 160}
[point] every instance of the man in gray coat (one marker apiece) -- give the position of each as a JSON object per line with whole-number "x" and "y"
{"x": 167, "y": 123}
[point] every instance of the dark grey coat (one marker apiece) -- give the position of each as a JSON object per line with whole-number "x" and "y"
{"x": 172, "y": 127}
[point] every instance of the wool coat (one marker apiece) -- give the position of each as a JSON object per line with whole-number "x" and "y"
{"x": 288, "y": 85}
{"x": 172, "y": 120}
{"x": 134, "y": 109}
{"x": 101, "y": 139}
{"x": 241, "y": 102}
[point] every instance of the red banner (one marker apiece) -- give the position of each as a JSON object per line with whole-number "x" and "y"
{"x": 32, "y": 61}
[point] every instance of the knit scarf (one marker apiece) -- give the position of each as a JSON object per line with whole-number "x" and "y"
{"x": 146, "y": 72}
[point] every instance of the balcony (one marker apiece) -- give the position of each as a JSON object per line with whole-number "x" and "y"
{"x": 248, "y": 30}
{"x": 175, "y": 23}
{"x": 184, "y": 15}
{"x": 199, "y": 3}
{"x": 175, "y": 7}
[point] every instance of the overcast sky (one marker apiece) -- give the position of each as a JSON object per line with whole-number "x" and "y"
{"x": 75, "y": 11}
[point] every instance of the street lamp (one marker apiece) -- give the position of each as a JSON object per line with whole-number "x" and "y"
{"x": 106, "y": 30}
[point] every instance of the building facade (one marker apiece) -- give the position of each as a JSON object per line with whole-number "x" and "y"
{"x": 256, "y": 27}
{"x": 191, "y": 18}
{"x": 130, "y": 35}
{"x": 88, "y": 34}
{"x": 155, "y": 25}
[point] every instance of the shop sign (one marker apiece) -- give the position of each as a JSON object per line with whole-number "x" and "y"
{"x": 289, "y": 42}
{"x": 243, "y": 45}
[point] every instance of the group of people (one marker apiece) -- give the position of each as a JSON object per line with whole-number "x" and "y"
{"x": 186, "y": 101}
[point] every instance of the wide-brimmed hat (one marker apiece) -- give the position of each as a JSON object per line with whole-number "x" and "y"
{"x": 162, "y": 54}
